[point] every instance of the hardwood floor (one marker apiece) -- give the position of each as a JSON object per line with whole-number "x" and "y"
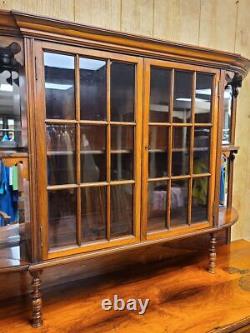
{"x": 184, "y": 297}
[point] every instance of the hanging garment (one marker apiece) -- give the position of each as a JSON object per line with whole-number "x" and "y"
{"x": 8, "y": 197}
{"x": 70, "y": 157}
{"x": 200, "y": 185}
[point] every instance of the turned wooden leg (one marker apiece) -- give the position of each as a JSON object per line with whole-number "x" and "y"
{"x": 36, "y": 300}
{"x": 212, "y": 254}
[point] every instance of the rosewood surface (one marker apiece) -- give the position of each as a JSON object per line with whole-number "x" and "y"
{"x": 184, "y": 297}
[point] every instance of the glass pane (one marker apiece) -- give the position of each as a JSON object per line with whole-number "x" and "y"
{"x": 200, "y": 199}
{"x": 62, "y": 218}
{"x": 182, "y": 97}
{"x": 224, "y": 180}
{"x": 201, "y": 150}
{"x": 121, "y": 210}
{"x": 179, "y": 202}
{"x": 59, "y": 86}
{"x": 10, "y": 110}
{"x": 158, "y": 151}
{"x": 159, "y": 94}
{"x": 61, "y": 154}
{"x": 228, "y": 99}
{"x": 122, "y": 96}
{"x": 122, "y": 145}
{"x": 157, "y": 205}
{"x": 93, "y": 153}
{"x": 203, "y": 98}
{"x": 15, "y": 217}
{"x": 181, "y": 151}
{"x": 93, "y": 213}
{"x": 93, "y": 90}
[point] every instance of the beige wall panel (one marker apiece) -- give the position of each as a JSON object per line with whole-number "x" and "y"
{"x": 177, "y": 20}
{"x": 61, "y": 9}
{"x": 101, "y": 13}
{"x": 242, "y": 167}
{"x": 218, "y": 24}
{"x": 137, "y": 17}
{"x": 242, "y": 44}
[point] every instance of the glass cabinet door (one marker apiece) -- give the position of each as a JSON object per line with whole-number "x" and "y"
{"x": 178, "y": 159}
{"x": 89, "y": 129}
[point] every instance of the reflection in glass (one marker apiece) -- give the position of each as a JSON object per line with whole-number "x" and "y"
{"x": 158, "y": 151}
{"x": 122, "y": 93}
{"x": 121, "y": 210}
{"x": 62, "y": 218}
{"x": 157, "y": 205}
{"x": 200, "y": 199}
{"x": 93, "y": 153}
{"x": 59, "y": 86}
{"x": 122, "y": 144}
{"x": 181, "y": 151}
{"x": 224, "y": 180}
{"x": 201, "y": 150}
{"x": 60, "y": 154}
{"x": 10, "y": 110}
{"x": 228, "y": 99}
{"x": 15, "y": 217}
{"x": 93, "y": 201}
{"x": 159, "y": 94}
{"x": 182, "y": 97}
{"x": 203, "y": 98}
{"x": 93, "y": 84}
{"x": 179, "y": 202}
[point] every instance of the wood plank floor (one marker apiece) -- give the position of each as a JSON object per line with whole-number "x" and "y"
{"x": 184, "y": 297}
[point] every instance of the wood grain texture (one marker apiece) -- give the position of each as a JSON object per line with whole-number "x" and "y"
{"x": 137, "y": 17}
{"x": 218, "y": 24}
{"x": 63, "y": 9}
{"x": 176, "y": 290}
{"x": 177, "y": 20}
{"x": 101, "y": 13}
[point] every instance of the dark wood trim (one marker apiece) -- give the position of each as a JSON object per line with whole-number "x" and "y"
{"x": 234, "y": 327}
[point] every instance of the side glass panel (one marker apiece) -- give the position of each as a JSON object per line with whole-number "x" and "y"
{"x": 228, "y": 99}
{"x": 10, "y": 110}
{"x": 182, "y": 96}
{"x": 59, "y": 86}
{"x": 224, "y": 181}
{"x": 203, "y": 95}
{"x": 93, "y": 86}
{"x": 122, "y": 97}
{"x": 15, "y": 235}
{"x": 159, "y": 94}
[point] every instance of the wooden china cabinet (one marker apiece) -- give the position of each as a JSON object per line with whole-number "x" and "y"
{"x": 109, "y": 142}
